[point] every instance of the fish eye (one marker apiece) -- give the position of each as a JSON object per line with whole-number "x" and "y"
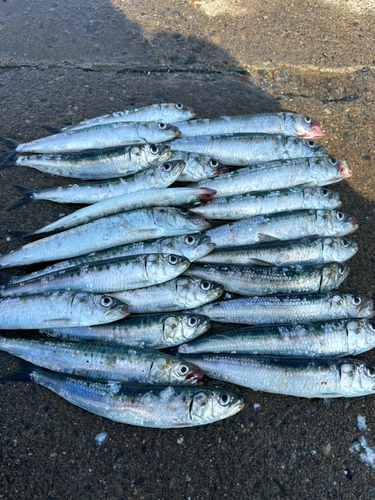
{"x": 205, "y": 285}
{"x": 311, "y": 144}
{"x": 357, "y": 301}
{"x": 189, "y": 240}
{"x": 370, "y": 371}
{"x": 340, "y": 215}
{"x": 183, "y": 370}
{"x": 324, "y": 192}
{"x": 371, "y": 324}
{"x": 341, "y": 269}
{"x": 344, "y": 242}
{"x": 179, "y": 106}
{"x": 307, "y": 119}
{"x": 214, "y": 163}
{"x": 333, "y": 161}
{"x": 173, "y": 259}
{"x": 154, "y": 150}
{"x": 224, "y": 400}
{"x": 106, "y": 301}
{"x": 183, "y": 211}
{"x": 167, "y": 167}
{"x": 162, "y": 126}
{"x": 192, "y": 321}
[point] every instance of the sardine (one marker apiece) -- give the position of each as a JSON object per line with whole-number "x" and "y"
{"x": 301, "y": 377}
{"x": 241, "y": 149}
{"x": 282, "y": 226}
{"x": 334, "y": 338}
{"x": 268, "y": 202}
{"x": 105, "y": 276}
{"x": 119, "y": 229}
{"x": 288, "y": 308}
{"x": 198, "y": 167}
{"x": 304, "y": 252}
{"x": 245, "y": 280}
{"x": 59, "y": 309}
{"x": 175, "y": 295}
{"x": 155, "y": 331}
{"x": 290, "y": 124}
{"x": 103, "y": 362}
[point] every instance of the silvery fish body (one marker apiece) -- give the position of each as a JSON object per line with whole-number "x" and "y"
{"x": 145, "y": 406}
{"x": 165, "y": 112}
{"x": 103, "y": 362}
{"x": 245, "y": 149}
{"x": 154, "y": 331}
{"x": 59, "y": 309}
{"x": 279, "y": 174}
{"x": 304, "y": 252}
{"x": 105, "y": 276}
{"x": 119, "y": 229}
{"x": 101, "y": 164}
{"x": 288, "y": 309}
{"x": 334, "y": 338}
{"x": 282, "y": 226}
{"x": 198, "y": 167}
{"x": 175, "y": 295}
{"x": 290, "y": 124}
{"x": 111, "y": 135}
{"x": 192, "y": 246}
{"x": 174, "y": 197}
{"x": 268, "y": 202}
{"x": 245, "y": 280}
{"x": 301, "y": 377}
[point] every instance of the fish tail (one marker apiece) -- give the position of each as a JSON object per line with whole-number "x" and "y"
{"x": 21, "y": 234}
{"x": 8, "y": 159}
{"x": 27, "y": 197}
{"x": 20, "y": 370}
{"x": 5, "y": 278}
{"x": 52, "y": 129}
{"x": 9, "y": 143}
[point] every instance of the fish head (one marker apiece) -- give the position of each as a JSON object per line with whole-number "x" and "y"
{"x": 357, "y": 379}
{"x": 327, "y": 170}
{"x": 197, "y": 292}
{"x": 321, "y": 197}
{"x": 335, "y": 223}
{"x": 361, "y": 335}
{"x": 98, "y": 309}
{"x": 202, "y": 167}
{"x": 180, "y": 220}
{"x": 338, "y": 249}
{"x": 194, "y": 246}
{"x": 358, "y": 306}
{"x": 172, "y": 112}
{"x": 210, "y": 405}
{"x": 155, "y": 132}
{"x": 170, "y": 370}
{"x": 303, "y": 126}
{"x": 151, "y": 154}
{"x": 184, "y": 327}
{"x": 311, "y": 148}
{"x": 164, "y": 267}
{"x": 332, "y": 276}
{"x": 163, "y": 175}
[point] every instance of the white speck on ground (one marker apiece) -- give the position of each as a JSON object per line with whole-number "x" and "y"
{"x": 361, "y": 423}
{"x": 100, "y": 438}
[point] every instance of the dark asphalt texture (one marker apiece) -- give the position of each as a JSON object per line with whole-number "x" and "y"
{"x": 63, "y": 61}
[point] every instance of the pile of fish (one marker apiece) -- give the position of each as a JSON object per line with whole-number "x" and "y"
{"x": 140, "y": 268}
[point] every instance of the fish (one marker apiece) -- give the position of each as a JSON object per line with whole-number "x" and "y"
{"x": 174, "y": 197}
{"x": 59, "y": 309}
{"x": 303, "y": 252}
{"x": 191, "y": 246}
{"x": 282, "y": 226}
{"x": 103, "y": 362}
{"x": 118, "y": 229}
{"x": 267, "y": 202}
{"x": 300, "y": 377}
{"x": 161, "y": 407}
{"x": 246, "y": 149}
{"x": 279, "y": 174}
{"x": 165, "y": 112}
{"x": 154, "y": 331}
{"x": 88, "y": 193}
{"x": 333, "y": 338}
{"x": 290, "y": 124}
{"x": 175, "y": 295}
{"x": 105, "y": 276}
{"x": 93, "y": 165}
{"x": 246, "y": 280}
{"x": 288, "y": 308}
{"x": 198, "y": 167}
{"x": 111, "y": 135}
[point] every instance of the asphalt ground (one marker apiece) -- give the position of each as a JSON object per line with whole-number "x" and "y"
{"x": 65, "y": 61}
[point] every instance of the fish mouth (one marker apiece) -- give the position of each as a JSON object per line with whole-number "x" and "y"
{"x": 195, "y": 375}
{"x": 206, "y": 194}
{"x": 221, "y": 169}
{"x": 315, "y": 132}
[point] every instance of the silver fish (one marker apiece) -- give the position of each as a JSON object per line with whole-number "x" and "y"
{"x": 288, "y": 308}
{"x": 280, "y": 174}
{"x": 267, "y": 202}
{"x": 95, "y": 165}
{"x": 301, "y": 377}
{"x": 119, "y": 229}
{"x": 242, "y": 149}
{"x": 245, "y": 280}
{"x": 175, "y": 295}
{"x": 192, "y": 246}
{"x": 145, "y": 406}
{"x": 165, "y": 112}
{"x": 304, "y": 252}
{"x": 334, "y": 338}
{"x": 290, "y": 124}
{"x": 105, "y": 276}
{"x": 198, "y": 167}
{"x": 111, "y": 135}
{"x": 174, "y": 197}
{"x": 282, "y": 226}
{"x": 155, "y": 331}
{"x": 59, "y": 309}
{"x": 108, "y": 362}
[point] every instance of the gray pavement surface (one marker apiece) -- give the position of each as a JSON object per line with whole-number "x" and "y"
{"x": 62, "y": 61}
